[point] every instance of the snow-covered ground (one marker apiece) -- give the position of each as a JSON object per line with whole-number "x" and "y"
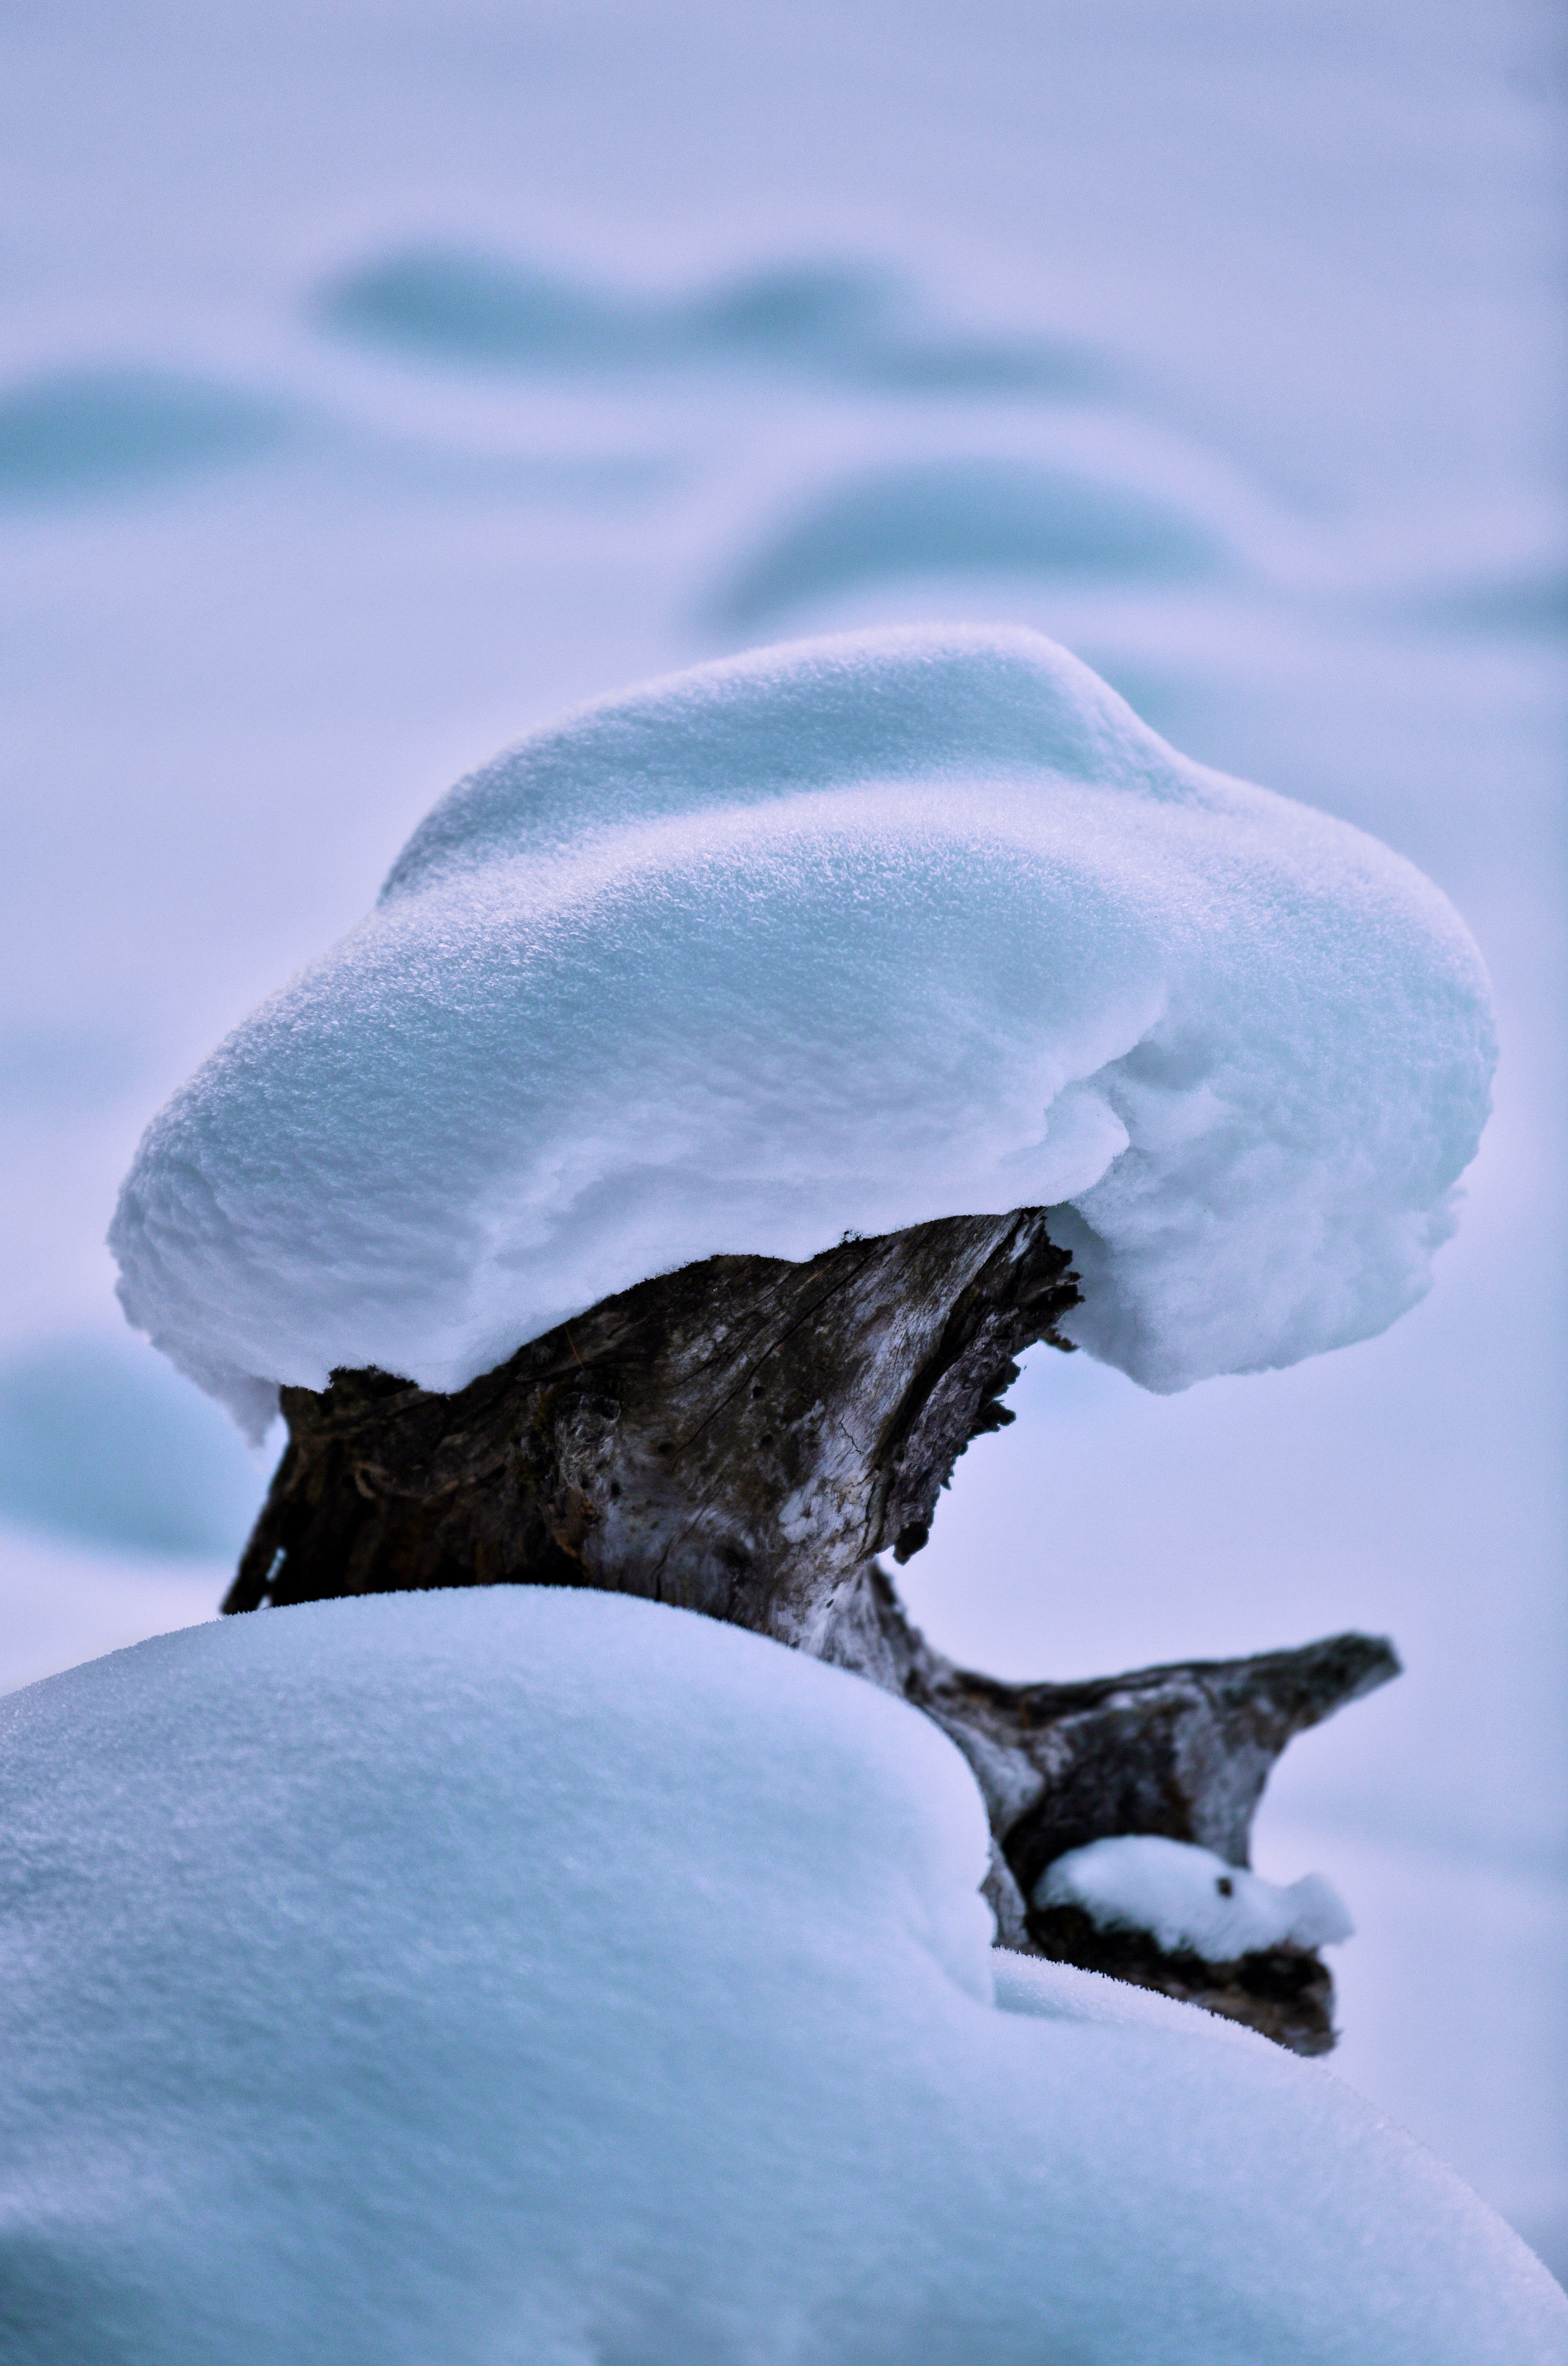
{"x": 379, "y": 382}
{"x": 530, "y": 1973}
{"x": 63, "y": 1603}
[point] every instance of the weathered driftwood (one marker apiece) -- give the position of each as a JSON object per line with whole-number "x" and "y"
{"x": 1184, "y": 1752}
{"x": 744, "y": 1437}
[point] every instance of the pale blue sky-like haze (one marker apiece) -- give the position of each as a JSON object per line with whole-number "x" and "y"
{"x": 379, "y": 380}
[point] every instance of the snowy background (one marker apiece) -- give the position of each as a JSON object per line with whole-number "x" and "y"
{"x": 377, "y": 381}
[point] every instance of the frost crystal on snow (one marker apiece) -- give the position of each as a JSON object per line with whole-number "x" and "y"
{"x": 1187, "y": 1897}
{"x": 851, "y": 933}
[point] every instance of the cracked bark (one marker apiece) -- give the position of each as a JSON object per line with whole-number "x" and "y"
{"x": 744, "y": 1437}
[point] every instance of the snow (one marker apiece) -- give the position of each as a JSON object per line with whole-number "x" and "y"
{"x": 529, "y": 1973}
{"x": 843, "y": 934}
{"x": 1186, "y": 1897}
{"x": 63, "y": 1602}
{"x": 838, "y": 318}
{"x": 1280, "y": 275}
{"x": 101, "y": 1442}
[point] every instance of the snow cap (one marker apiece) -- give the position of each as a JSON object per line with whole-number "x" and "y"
{"x": 849, "y": 933}
{"x": 1186, "y": 1897}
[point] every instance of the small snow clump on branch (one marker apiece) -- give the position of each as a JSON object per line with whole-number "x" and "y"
{"x": 848, "y": 934}
{"x": 1187, "y": 1897}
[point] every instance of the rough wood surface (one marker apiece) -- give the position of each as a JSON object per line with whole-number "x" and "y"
{"x": 743, "y": 1437}
{"x": 739, "y": 1438}
{"x": 1184, "y": 1752}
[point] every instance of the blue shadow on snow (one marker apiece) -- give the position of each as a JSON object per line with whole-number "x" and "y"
{"x": 104, "y": 1442}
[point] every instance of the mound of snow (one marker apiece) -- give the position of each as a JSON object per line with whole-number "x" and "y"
{"x": 1188, "y": 1897}
{"x": 824, "y": 315}
{"x": 926, "y": 517}
{"x": 851, "y": 933}
{"x": 550, "y": 1976}
{"x": 77, "y": 434}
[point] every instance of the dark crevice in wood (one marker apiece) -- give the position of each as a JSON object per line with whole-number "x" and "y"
{"x": 1284, "y": 1993}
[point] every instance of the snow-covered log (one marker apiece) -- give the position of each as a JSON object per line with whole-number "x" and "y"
{"x": 521, "y": 1194}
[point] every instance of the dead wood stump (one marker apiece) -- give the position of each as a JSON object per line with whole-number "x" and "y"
{"x": 743, "y": 1437}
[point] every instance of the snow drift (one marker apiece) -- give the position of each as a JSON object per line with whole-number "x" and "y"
{"x": 847, "y": 934}
{"x": 536, "y": 1975}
